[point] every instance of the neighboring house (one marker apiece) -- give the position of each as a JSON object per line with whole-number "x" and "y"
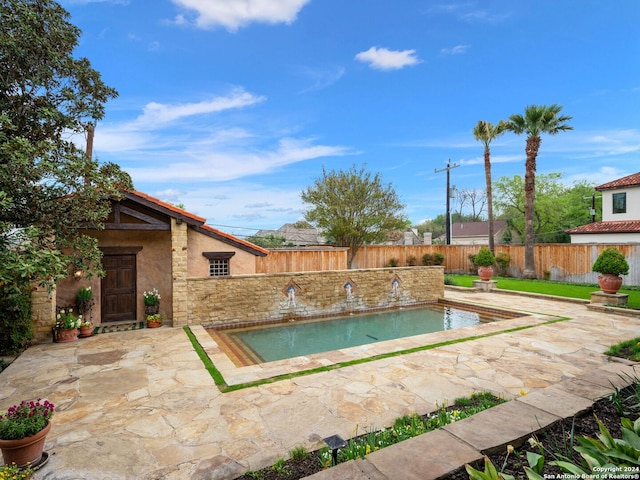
{"x": 147, "y": 244}
{"x": 620, "y": 214}
{"x": 298, "y": 237}
{"x": 409, "y": 237}
{"x": 477, "y": 233}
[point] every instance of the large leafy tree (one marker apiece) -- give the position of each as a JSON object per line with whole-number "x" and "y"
{"x": 558, "y": 206}
{"x": 486, "y": 132}
{"x": 48, "y": 186}
{"x": 353, "y": 208}
{"x": 537, "y": 120}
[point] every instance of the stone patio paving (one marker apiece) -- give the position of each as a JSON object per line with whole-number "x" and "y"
{"x": 140, "y": 404}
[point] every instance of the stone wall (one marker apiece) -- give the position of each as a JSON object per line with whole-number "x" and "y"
{"x": 254, "y": 298}
{"x": 179, "y": 256}
{"x": 43, "y": 312}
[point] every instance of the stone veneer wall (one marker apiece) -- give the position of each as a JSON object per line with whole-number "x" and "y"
{"x": 179, "y": 260}
{"x": 43, "y": 311}
{"x": 250, "y": 298}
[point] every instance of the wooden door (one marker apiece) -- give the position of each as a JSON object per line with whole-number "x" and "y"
{"x": 119, "y": 288}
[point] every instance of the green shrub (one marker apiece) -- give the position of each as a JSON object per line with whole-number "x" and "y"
{"x": 393, "y": 262}
{"x": 412, "y": 261}
{"x": 611, "y": 261}
{"x": 449, "y": 280}
{"x": 484, "y": 258}
{"x": 16, "y": 330}
{"x": 427, "y": 259}
{"x": 473, "y": 270}
{"x": 503, "y": 260}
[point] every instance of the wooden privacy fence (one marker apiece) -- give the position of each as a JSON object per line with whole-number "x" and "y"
{"x": 303, "y": 260}
{"x": 557, "y": 261}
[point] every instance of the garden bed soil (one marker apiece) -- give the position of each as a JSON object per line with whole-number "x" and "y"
{"x": 555, "y": 439}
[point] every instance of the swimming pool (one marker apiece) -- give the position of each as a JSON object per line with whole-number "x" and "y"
{"x": 268, "y": 343}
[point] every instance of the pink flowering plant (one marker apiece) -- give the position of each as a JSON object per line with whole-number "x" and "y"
{"x": 26, "y": 419}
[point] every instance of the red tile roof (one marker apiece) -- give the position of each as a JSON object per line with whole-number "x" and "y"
{"x": 632, "y": 180}
{"x": 622, "y": 226}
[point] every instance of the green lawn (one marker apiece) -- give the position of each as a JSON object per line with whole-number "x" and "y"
{"x": 571, "y": 290}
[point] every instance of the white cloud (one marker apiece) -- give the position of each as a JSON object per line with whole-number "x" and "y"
{"x": 233, "y": 14}
{"x": 238, "y": 207}
{"x": 319, "y": 78}
{"x": 385, "y": 59}
{"x": 457, "y": 50}
{"x": 494, "y": 159}
{"x": 158, "y": 113}
{"x": 230, "y": 163}
{"x": 469, "y": 12}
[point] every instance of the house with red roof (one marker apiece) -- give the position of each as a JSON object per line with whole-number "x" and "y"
{"x": 620, "y": 214}
{"x": 150, "y": 244}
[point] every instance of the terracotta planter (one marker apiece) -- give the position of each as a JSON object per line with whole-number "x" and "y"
{"x": 152, "y": 324}
{"x": 86, "y": 331}
{"x": 610, "y": 283}
{"x": 26, "y": 450}
{"x": 485, "y": 273}
{"x": 63, "y": 336}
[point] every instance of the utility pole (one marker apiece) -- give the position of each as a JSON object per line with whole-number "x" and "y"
{"x": 592, "y": 210}
{"x": 448, "y": 214}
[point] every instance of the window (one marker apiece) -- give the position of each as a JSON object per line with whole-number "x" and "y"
{"x": 218, "y": 268}
{"x": 619, "y": 203}
{"x": 219, "y": 263}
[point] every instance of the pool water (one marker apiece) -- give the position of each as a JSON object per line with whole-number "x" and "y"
{"x": 295, "y": 339}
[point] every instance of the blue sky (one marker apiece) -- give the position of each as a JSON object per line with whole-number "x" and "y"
{"x": 233, "y": 107}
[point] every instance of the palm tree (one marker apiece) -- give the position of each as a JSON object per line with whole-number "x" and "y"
{"x": 537, "y": 119}
{"x": 485, "y": 132}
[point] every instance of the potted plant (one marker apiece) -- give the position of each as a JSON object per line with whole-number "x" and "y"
{"x": 86, "y": 329}
{"x": 154, "y": 320}
{"x": 151, "y": 302}
{"x": 84, "y": 301}
{"x": 610, "y": 264}
{"x": 484, "y": 260}
{"x": 23, "y": 429}
{"x": 66, "y": 326}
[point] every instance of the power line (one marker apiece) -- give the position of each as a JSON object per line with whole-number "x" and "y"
{"x": 231, "y": 226}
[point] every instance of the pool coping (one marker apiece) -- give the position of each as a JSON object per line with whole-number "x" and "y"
{"x": 242, "y": 354}
{"x": 235, "y": 375}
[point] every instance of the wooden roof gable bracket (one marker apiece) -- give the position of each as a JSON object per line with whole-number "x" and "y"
{"x": 166, "y": 211}
{"x": 151, "y": 223}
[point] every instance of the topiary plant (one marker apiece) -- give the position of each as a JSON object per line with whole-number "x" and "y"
{"x": 612, "y": 262}
{"x": 484, "y": 258}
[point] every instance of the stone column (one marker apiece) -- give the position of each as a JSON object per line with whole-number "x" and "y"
{"x": 43, "y": 312}
{"x": 179, "y": 272}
